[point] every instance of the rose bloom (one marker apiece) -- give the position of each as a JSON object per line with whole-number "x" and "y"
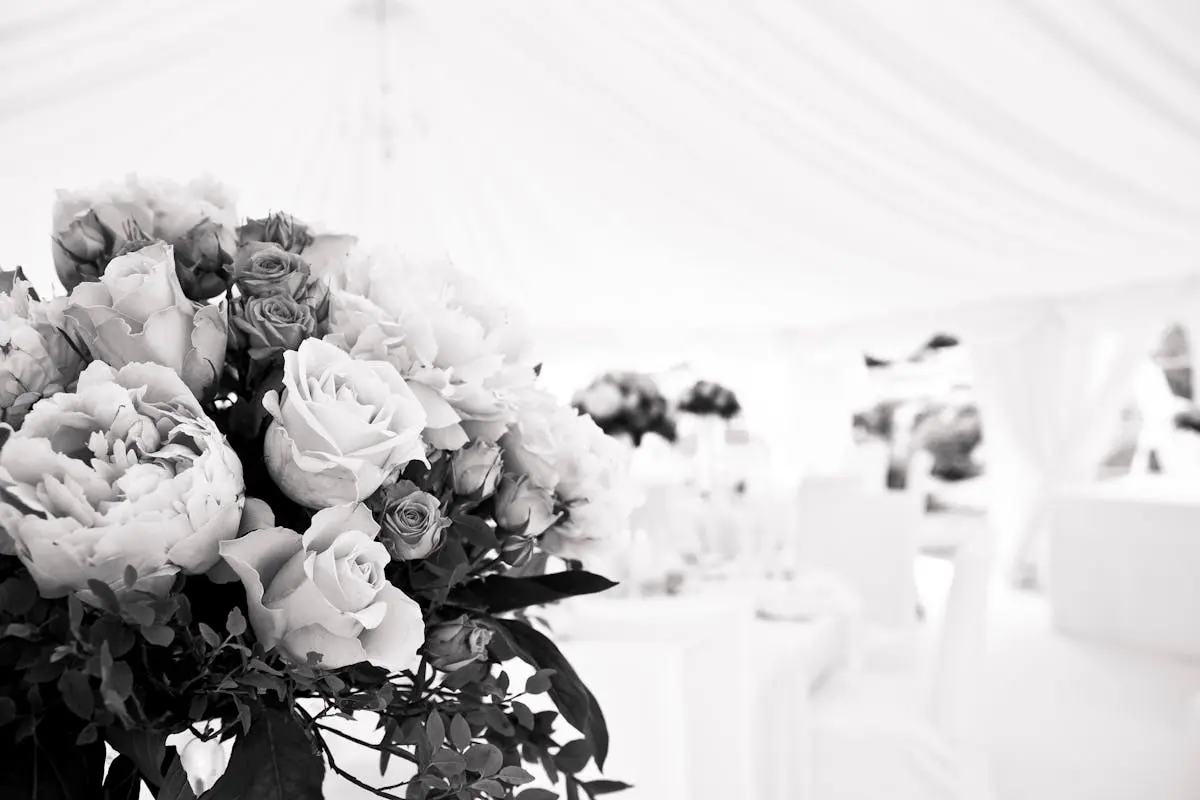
{"x": 326, "y": 253}
{"x": 138, "y": 312}
{"x": 523, "y": 507}
{"x": 452, "y": 645}
{"x": 325, "y": 592}
{"x": 125, "y": 470}
{"x": 266, "y": 326}
{"x": 475, "y": 470}
{"x": 36, "y": 360}
{"x": 200, "y": 220}
{"x": 412, "y": 520}
{"x": 461, "y": 353}
{"x": 91, "y": 227}
{"x": 266, "y": 269}
{"x": 341, "y": 427}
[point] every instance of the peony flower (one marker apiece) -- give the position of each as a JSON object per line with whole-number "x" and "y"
{"x": 325, "y": 592}
{"x": 452, "y": 645}
{"x": 341, "y": 428}
{"x": 124, "y": 471}
{"x": 530, "y": 447}
{"x": 475, "y": 470}
{"x": 266, "y": 326}
{"x": 458, "y": 350}
{"x": 91, "y": 228}
{"x": 139, "y": 313}
{"x": 36, "y": 359}
{"x": 523, "y": 507}
{"x": 413, "y": 523}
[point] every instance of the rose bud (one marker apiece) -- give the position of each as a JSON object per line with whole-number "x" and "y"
{"x": 475, "y": 469}
{"x": 267, "y": 326}
{"x": 86, "y": 242}
{"x": 522, "y": 507}
{"x": 204, "y": 259}
{"x": 452, "y": 645}
{"x": 282, "y": 229}
{"x": 411, "y": 520}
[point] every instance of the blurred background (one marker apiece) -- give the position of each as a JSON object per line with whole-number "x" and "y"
{"x": 944, "y": 255}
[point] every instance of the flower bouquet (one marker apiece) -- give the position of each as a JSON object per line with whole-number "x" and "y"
{"x": 706, "y": 398}
{"x": 627, "y": 404}
{"x": 252, "y": 481}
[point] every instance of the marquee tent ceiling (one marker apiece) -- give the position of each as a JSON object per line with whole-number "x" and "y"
{"x": 655, "y": 163}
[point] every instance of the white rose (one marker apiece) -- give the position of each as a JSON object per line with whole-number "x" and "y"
{"x": 139, "y": 312}
{"x": 124, "y": 471}
{"x": 325, "y": 592}
{"x": 341, "y": 426}
{"x": 531, "y": 446}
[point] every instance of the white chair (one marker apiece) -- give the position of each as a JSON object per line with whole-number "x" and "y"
{"x": 913, "y": 735}
{"x": 870, "y": 540}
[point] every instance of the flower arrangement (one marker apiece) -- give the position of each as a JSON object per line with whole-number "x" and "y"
{"x": 251, "y": 480}
{"x": 706, "y": 398}
{"x": 627, "y": 404}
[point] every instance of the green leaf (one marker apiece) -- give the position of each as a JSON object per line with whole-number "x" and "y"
{"x": 175, "y": 786}
{"x": 130, "y": 576}
{"x": 491, "y": 788}
{"x": 51, "y": 765}
{"x": 123, "y": 782}
{"x": 498, "y": 593}
{"x": 515, "y": 776}
{"x": 573, "y": 756}
{"x": 235, "y": 623}
{"x": 539, "y": 682}
{"x": 460, "y": 732}
{"x": 75, "y": 616}
{"x": 105, "y": 595}
{"x": 435, "y": 729}
{"x": 536, "y": 794}
{"x": 595, "y": 788}
{"x": 140, "y": 612}
{"x": 448, "y": 762}
{"x": 77, "y": 693}
{"x": 275, "y": 760}
{"x": 146, "y": 749}
{"x": 485, "y": 759}
{"x": 18, "y": 595}
{"x": 159, "y": 635}
{"x": 210, "y": 636}
{"x": 8, "y": 711}
{"x": 577, "y": 704}
{"x": 474, "y": 530}
{"x": 524, "y": 716}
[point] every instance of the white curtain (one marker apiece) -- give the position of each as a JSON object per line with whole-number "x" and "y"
{"x": 1051, "y": 381}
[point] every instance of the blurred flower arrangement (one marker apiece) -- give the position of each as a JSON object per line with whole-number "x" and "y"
{"x": 706, "y": 398}
{"x": 627, "y": 404}
{"x": 245, "y": 467}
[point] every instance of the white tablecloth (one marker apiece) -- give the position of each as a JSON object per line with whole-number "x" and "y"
{"x": 693, "y": 682}
{"x": 1124, "y": 556}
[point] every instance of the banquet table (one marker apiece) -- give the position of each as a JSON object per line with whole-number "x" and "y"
{"x": 1123, "y": 556}
{"x": 703, "y": 697}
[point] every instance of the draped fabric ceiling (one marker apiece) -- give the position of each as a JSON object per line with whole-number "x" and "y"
{"x": 655, "y": 164}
